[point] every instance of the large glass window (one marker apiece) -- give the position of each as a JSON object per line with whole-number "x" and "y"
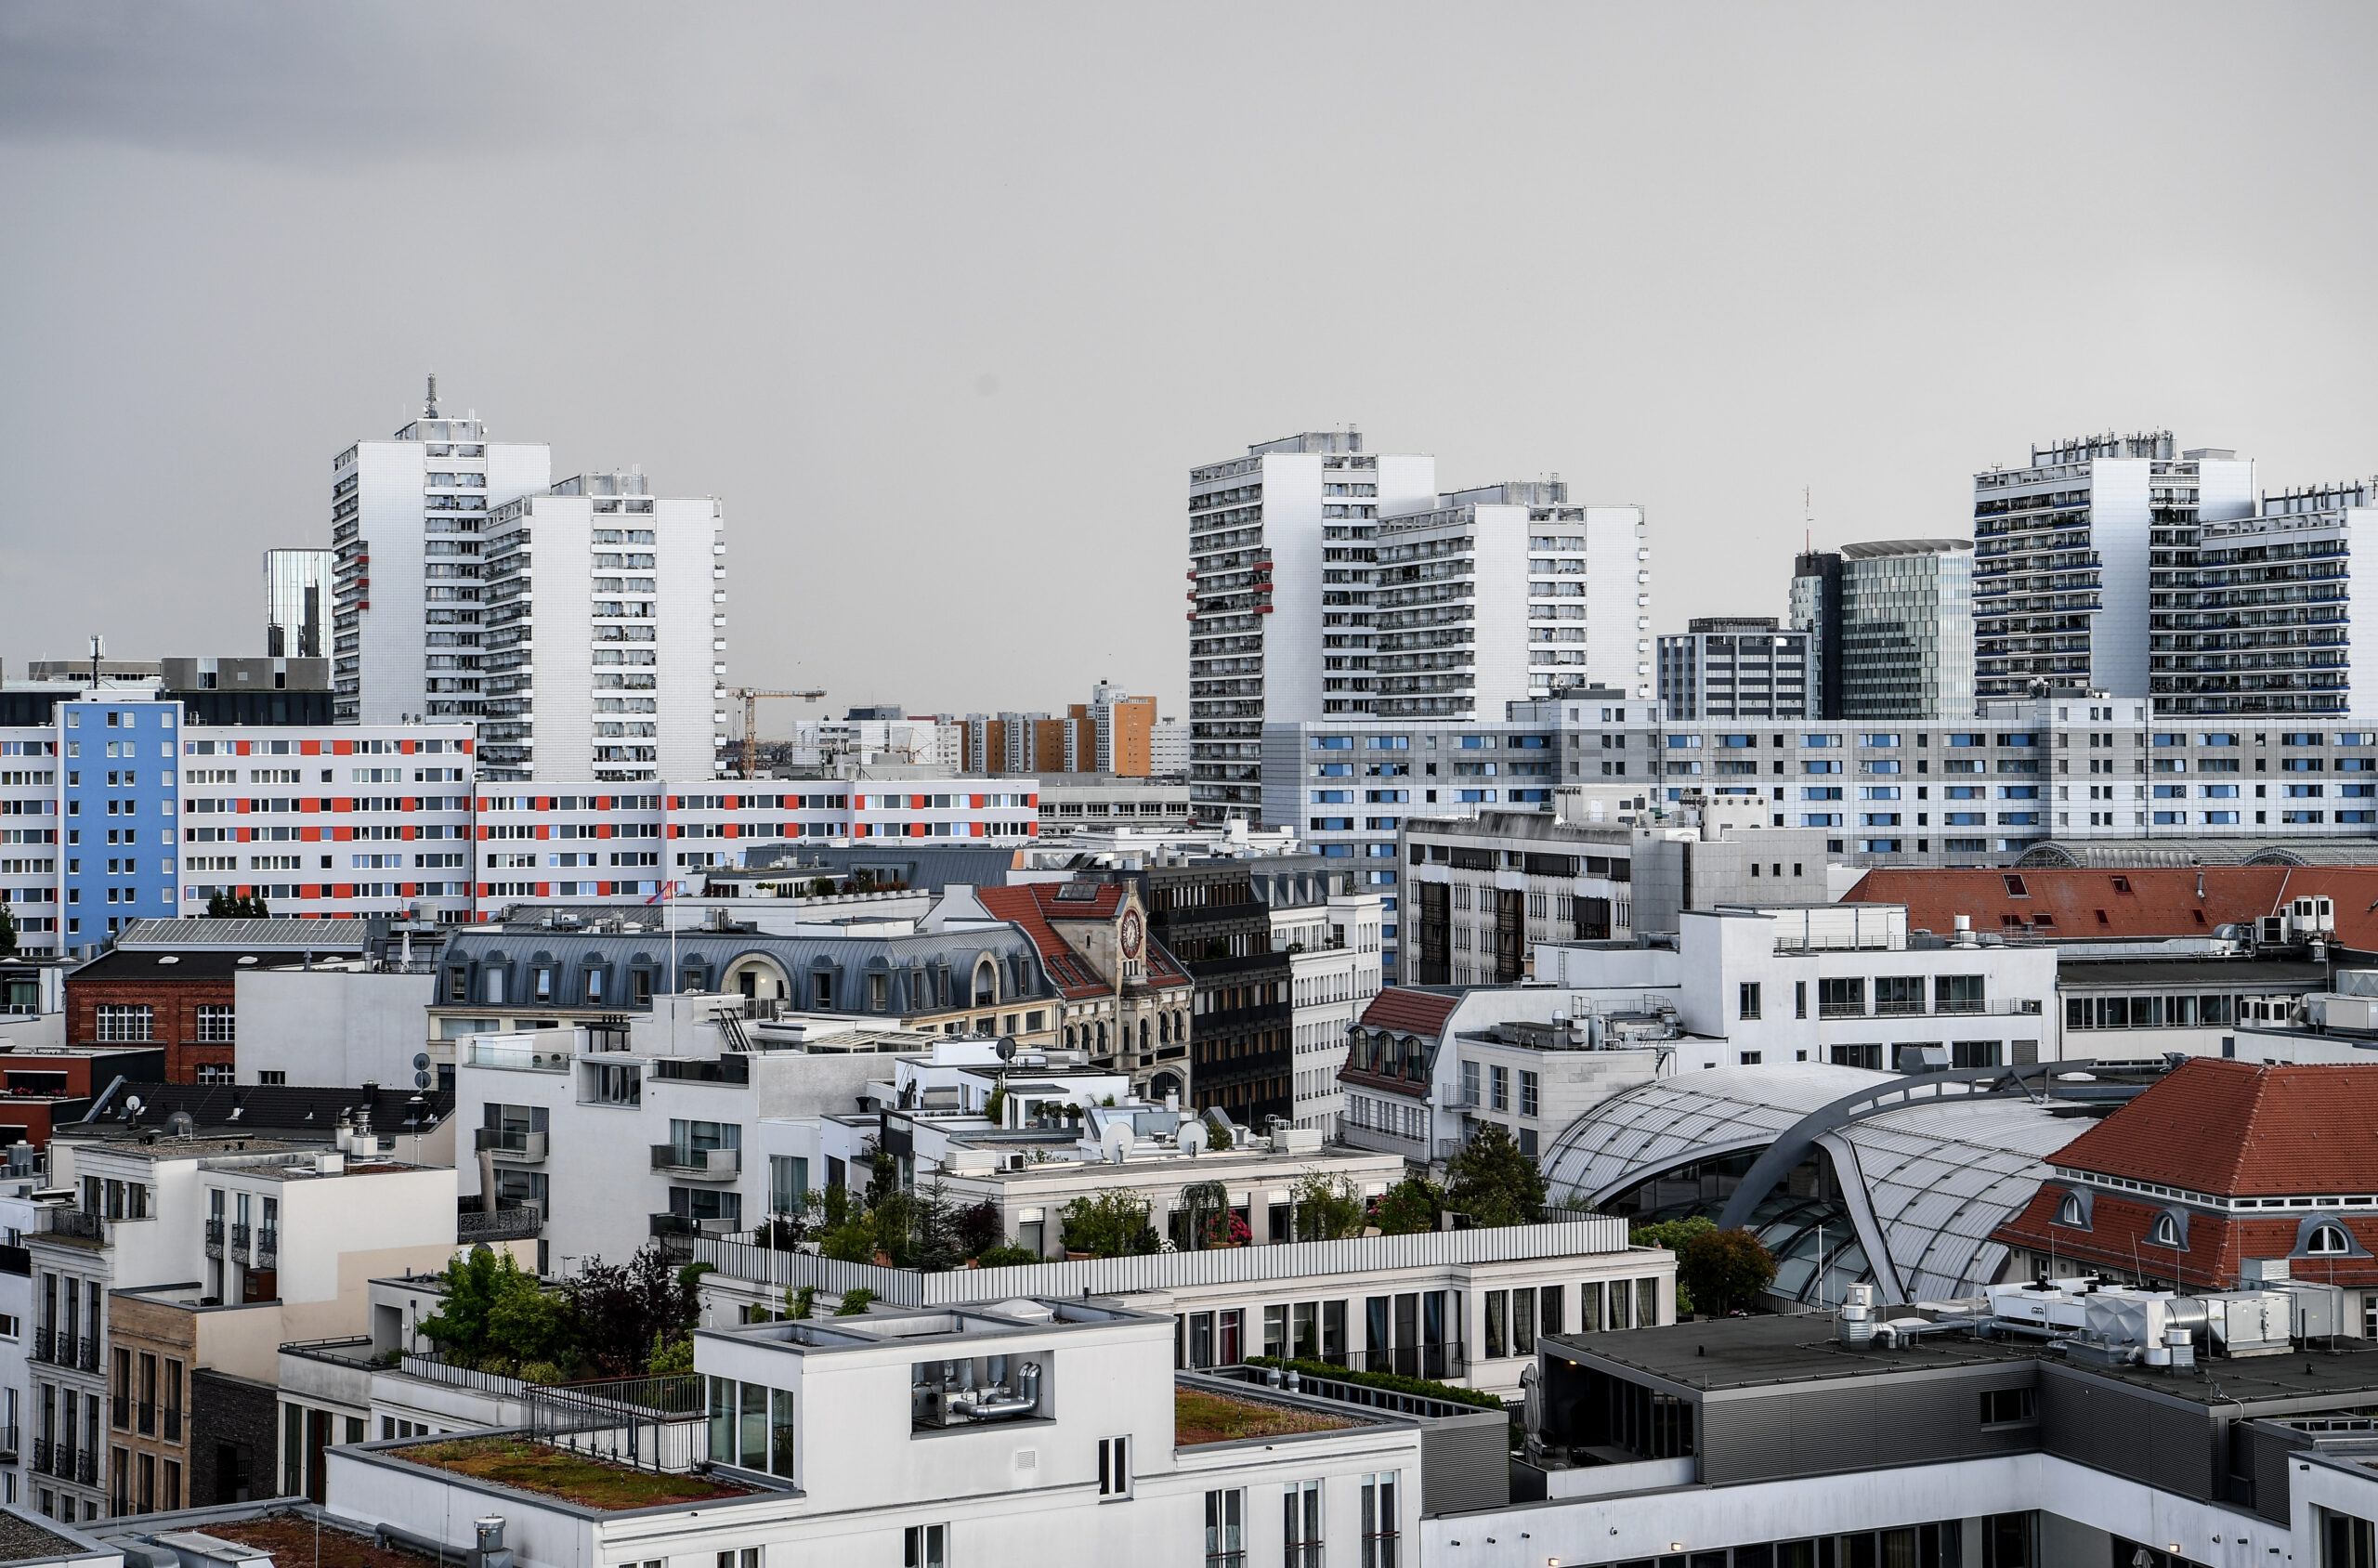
{"x": 1226, "y": 1529}
{"x": 1301, "y": 1524}
{"x": 1380, "y": 1534}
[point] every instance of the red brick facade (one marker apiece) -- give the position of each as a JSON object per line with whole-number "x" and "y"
{"x": 174, "y": 1001}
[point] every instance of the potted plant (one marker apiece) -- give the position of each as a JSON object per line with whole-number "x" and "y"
{"x": 1226, "y": 1229}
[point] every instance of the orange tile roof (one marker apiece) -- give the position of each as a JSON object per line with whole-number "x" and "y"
{"x": 2149, "y": 901}
{"x": 1411, "y": 1012}
{"x": 2238, "y": 1129}
{"x": 1034, "y": 906}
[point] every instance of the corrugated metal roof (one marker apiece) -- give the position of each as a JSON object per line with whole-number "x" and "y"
{"x": 276, "y": 933}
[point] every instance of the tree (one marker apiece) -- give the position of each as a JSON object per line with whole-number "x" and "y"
{"x": 226, "y": 905}
{"x": 1724, "y": 1269}
{"x": 622, "y": 1310}
{"x": 1409, "y": 1208}
{"x": 1326, "y": 1207}
{"x": 980, "y": 1226}
{"x": 493, "y": 1310}
{"x": 1671, "y": 1234}
{"x": 7, "y": 929}
{"x": 1113, "y": 1223}
{"x": 1493, "y": 1182}
{"x": 856, "y": 1302}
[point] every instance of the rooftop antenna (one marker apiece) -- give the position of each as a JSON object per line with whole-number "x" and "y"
{"x": 429, "y": 409}
{"x": 1808, "y": 519}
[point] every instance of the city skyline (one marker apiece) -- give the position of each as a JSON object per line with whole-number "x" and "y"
{"x": 1792, "y": 301}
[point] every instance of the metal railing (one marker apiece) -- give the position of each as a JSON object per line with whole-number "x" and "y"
{"x": 513, "y": 1144}
{"x": 714, "y": 1164}
{"x": 240, "y": 1232}
{"x": 78, "y": 1223}
{"x": 41, "y": 1455}
{"x": 267, "y": 1247}
{"x": 87, "y": 1470}
{"x": 89, "y": 1347}
{"x": 215, "y": 1238}
{"x": 654, "y": 1423}
{"x": 8, "y": 1445}
{"x": 507, "y": 1222}
{"x": 42, "y": 1344}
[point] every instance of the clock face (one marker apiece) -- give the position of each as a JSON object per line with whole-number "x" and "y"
{"x": 1130, "y": 934}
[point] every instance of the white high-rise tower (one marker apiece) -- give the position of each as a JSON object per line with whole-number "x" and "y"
{"x": 406, "y": 516}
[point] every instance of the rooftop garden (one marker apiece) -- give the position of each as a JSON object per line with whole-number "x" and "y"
{"x": 1201, "y": 1415}
{"x": 556, "y": 1473}
{"x": 291, "y": 1539}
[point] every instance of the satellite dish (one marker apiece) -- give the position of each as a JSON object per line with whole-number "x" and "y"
{"x": 1193, "y": 1139}
{"x": 1007, "y": 1047}
{"x": 131, "y": 1104}
{"x": 420, "y": 1061}
{"x": 421, "y": 1080}
{"x": 1117, "y": 1141}
{"x": 180, "y": 1125}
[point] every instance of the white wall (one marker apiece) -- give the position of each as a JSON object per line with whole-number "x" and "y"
{"x": 331, "y": 1026}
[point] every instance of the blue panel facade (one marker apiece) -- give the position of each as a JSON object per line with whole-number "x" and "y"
{"x": 117, "y": 762}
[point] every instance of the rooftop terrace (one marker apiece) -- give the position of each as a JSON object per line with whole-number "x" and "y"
{"x": 507, "y": 1459}
{"x": 1204, "y": 1415}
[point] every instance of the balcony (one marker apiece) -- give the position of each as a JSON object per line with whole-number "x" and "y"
{"x": 62, "y": 1461}
{"x": 267, "y": 1247}
{"x": 75, "y": 1225}
{"x": 513, "y": 1145}
{"x": 215, "y": 1238}
{"x": 509, "y": 1220}
{"x": 241, "y": 1234}
{"x": 88, "y": 1356}
{"x": 87, "y": 1470}
{"x": 686, "y": 1225}
{"x": 41, "y": 1455}
{"x": 711, "y": 1165}
{"x": 7, "y": 1445}
{"x": 42, "y": 1344}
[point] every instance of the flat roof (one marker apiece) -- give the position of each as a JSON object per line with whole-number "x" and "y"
{"x": 23, "y": 1539}
{"x": 1750, "y": 1352}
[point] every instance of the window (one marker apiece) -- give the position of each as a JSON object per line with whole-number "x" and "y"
{"x": 270, "y": 1077}
{"x": 1530, "y": 1093}
{"x": 1841, "y": 998}
{"x": 1497, "y": 1320}
{"x": 214, "y": 1023}
{"x": 1113, "y": 1467}
{"x": 1470, "y": 1083}
{"x": 925, "y": 1545}
{"x": 2073, "y": 1211}
{"x": 2329, "y": 1240}
{"x": 1301, "y": 1526}
{"x": 2345, "y": 1542}
{"x": 2001, "y": 1408}
{"x": 747, "y": 1558}
{"x": 1225, "y": 1530}
{"x": 2165, "y": 1232}
{"x": 787, "y": 1183}
{"x": 1747, "y": 1005}
{"x": 1378, "y": 1520}
{"x": 1799, "y": 999}
{"x": 1499, "y": 1084}
{"x": 125, "y": 1021}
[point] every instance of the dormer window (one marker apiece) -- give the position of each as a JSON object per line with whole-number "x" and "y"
{"x": 2165, "y": 1232}
{"x": 2328, "y": 1241}
{"x": 2072, "y": 1212}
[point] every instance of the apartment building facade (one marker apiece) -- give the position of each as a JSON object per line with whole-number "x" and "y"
{"x": 2067, "y": 549}
{"x": 2258, "y": 618}
{"x": 1727, "y": 667}
{"x": 408, "y": 517}
{"x": 604, "y": 633}
{"x": 1890, "y": 625}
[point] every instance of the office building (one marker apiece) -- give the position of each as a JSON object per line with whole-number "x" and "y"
{"x": 1737, "y": 667}
{"x": 298, "y": 585}
{"x": 606, "y": 659}
{"x": 2263, "y": 622}
{"x": 1890, "y": 628}
{"x": 2066, "y": 548}
{"x": 408, "y": 517}
{"x": 1283, "y": 552}
{"x": 1110, "y": 734}
{"x": 1503, "y": 592}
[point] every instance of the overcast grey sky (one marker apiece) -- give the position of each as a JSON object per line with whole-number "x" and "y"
{"x": 944, "y": 302}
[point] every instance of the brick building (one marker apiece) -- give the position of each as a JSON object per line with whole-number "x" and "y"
{"x": 170, "y": 983}
{"x": 40, "y": 1090}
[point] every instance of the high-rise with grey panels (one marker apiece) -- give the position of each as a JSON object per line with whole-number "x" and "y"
{"x": 1891, "y": 627}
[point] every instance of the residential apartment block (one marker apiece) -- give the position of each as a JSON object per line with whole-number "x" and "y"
{"x": 2067, "y": 549}
{"x": 603, "y": 634}
{"x": 2257, "y": 619}
{"x": 1729, "y": 667}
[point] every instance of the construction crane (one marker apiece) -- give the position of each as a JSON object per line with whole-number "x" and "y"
{"x": 751, "y": 696}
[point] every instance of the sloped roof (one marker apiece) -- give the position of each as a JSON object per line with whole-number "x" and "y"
{"x": 284, "y": 934}
{"x": 1409, "y": 1012}
{"x": 2217, "y": 1245}
{"x": 1035, "y": 907}
{"x": 2085, "y": 903}
{"x": 2238, "y": 1129}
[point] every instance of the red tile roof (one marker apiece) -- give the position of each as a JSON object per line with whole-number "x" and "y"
{"x": 2216, "y": 1249}
{"x": 1411, "y": 1012}
{"x": 2087, "y": 902}
{"x": 2235, "y": 1129}
{"x": 1036, "y": 906}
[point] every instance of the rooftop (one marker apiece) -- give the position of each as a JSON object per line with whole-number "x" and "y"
{"x": 506, "y": 1459}
{"x": 1202, "y": 1415}
{"x": 278, "y": 933}
{"x": 293, "y": 1538}
{"x": 2234, "y": 1128}
{"x": 1750, "y": 1352}
{"x": 23, "y": 1539}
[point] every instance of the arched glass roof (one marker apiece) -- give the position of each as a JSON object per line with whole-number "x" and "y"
{"x": 1919, "y": 1186}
